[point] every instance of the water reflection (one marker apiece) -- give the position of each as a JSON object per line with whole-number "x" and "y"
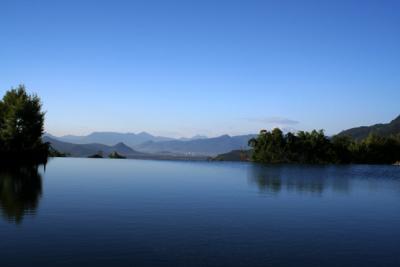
{"x": 304, "y": 179}
{"x": 20, "y": 192}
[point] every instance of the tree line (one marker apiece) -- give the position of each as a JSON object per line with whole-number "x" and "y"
{"x": 21, "y": 128}
{"x": 316, "y": 148}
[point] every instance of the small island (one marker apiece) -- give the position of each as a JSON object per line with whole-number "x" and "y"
{"x": 115, "y": 155}
{"x": 98, "y": 155}
{"x": 316, "y": 148}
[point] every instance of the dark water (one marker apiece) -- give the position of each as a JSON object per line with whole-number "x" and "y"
{"x": 94, "y": 212}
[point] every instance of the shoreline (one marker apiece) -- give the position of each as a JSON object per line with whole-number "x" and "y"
{"x": 210, "y": 159}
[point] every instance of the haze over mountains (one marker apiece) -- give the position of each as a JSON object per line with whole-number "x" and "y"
{"x": 146, "y": 143}
{"x": 112, "y": 138}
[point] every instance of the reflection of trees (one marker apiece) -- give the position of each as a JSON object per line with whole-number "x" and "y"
{"x": 313, "y": 184}
{"x": 267, "y": 179}
{"x": 311, "y": 179}
{"x": 20, "y": 191}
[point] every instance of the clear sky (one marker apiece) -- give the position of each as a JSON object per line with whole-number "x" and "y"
{"x": 180, "y": 68}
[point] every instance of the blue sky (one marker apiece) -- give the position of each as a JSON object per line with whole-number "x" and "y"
{"x": 180, "y": 68}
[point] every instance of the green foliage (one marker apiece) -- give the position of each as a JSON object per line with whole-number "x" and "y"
{"x": 377, "y": 149}
{"x": 315, "y": 148}
{"x": 21, "y": 126}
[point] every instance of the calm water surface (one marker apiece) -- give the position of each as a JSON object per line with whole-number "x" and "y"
{"x": 94, "y": 212}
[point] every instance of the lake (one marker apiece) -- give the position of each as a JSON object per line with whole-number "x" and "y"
{"x": 102, "y": 212}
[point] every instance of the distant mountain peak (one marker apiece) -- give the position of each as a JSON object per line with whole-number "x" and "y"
{"x": 121, "y": 144}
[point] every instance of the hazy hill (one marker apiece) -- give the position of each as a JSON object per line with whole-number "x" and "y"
{"x": 85, "y": 150}
{"x": 112, "y": 138}
{"x": 208, "y": 146}
{"x": 382, "y": 129}
{"x": 193, "y": 138}
{"x": 235, "y": 155}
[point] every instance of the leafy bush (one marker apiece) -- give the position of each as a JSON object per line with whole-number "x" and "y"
{"x": 316, "y": 148}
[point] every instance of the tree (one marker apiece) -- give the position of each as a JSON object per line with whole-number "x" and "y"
{"x": 315, "y": 148}
{"x": 21, "y": 125}
{"x": 342, "y": 148}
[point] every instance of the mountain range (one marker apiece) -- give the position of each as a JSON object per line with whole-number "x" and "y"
{"x": 129, "y": 144}
{"x": 112, "y": 138}
{"x": 94, "y": 149}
